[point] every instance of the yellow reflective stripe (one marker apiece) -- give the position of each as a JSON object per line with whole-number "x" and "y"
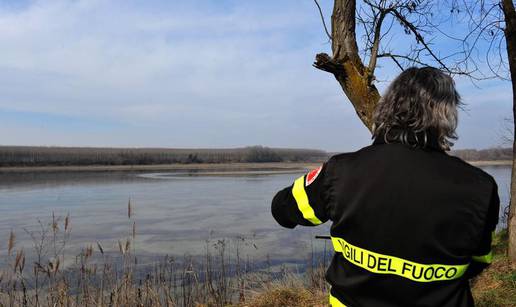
{"x": 298, "y": 190}
{"x": 334, "y": 302}
{"x": 488, "y": 258}
{"x": 385, "y": 264}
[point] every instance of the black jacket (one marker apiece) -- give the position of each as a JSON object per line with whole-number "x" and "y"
{"x": 410, "y": 226}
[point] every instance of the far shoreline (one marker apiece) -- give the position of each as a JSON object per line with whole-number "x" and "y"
{"x": 490, "y": 162}
{"x": 201, "y": 167}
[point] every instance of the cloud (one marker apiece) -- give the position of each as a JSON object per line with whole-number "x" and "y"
{"x": 169, "y": 73}
{"x": 87, "y": 55}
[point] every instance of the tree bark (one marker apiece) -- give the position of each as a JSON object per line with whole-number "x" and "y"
{"x": 346, "y": 65}
{"x": 510, "y": 37}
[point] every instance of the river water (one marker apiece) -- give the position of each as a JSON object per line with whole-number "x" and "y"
{"x": 174, "y": 213}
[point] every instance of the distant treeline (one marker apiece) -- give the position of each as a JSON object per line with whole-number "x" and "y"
{"x": 76, "y": 156}
{"x": 63, "y": 156}
{"x": 490, "y": 154}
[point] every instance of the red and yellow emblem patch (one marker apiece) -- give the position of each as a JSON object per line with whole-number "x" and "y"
{"x": 310, "y": 177}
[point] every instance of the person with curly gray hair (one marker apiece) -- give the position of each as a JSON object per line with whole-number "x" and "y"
{"x": 419, "y": 101}
{"x": 410, "y": 224}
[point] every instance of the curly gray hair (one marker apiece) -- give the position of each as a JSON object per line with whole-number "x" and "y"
{"x": 418, "y": 101}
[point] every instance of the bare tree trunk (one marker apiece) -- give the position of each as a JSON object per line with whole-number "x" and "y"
{"x": 510, "y": 37}
{"x": 346, "y": 65}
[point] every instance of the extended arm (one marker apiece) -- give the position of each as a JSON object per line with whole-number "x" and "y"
{"x": 305, "y": 201}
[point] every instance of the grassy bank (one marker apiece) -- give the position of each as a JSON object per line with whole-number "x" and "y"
{"x": 496, "y": 286}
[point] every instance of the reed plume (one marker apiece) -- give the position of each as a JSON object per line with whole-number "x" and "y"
{"x": 129, "y": 209}
{"x": 10, "y": 243}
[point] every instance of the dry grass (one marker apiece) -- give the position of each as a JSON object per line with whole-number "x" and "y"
{"x": 496, "y": 286}
{"x": 49, "y": 275}
{"x": 290, "y": 291}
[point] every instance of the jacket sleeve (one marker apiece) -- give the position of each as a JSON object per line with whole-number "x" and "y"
{"x": 483, "y": 255}
{"x": 305, "y": 201}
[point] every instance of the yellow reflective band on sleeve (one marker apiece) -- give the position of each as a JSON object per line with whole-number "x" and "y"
{"x": 488, "y": 258}
{"x": 385, "y": 264}
{"x": 298, "y": 190}
{"x": 334, "y": 302}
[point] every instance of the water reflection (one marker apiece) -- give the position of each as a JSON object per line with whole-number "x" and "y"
{"x": 173, "y": 216}
{"x": 174, "y": 212}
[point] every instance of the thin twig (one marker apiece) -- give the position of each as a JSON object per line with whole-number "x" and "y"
{"x": 322, "y": 19}
{"x": 419, "y": 38}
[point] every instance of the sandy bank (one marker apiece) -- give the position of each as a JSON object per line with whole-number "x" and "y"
{"x": 208, "y": 167}
{"x": 215, "y": 167}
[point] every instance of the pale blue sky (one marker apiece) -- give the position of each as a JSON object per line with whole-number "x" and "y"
{"x": 191, "y": 74}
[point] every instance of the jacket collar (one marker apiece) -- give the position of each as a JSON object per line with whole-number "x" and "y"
{"x": 431, "y": 139}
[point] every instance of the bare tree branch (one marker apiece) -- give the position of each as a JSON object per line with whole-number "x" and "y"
{"x": 376, "y": 40}
{"x": 326, "y": 63}
{"x": 393, "y": 56}
{"x": 423, "y": 20}
{"x": 419, "y": 38}
{"x": 322, "y": 19}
